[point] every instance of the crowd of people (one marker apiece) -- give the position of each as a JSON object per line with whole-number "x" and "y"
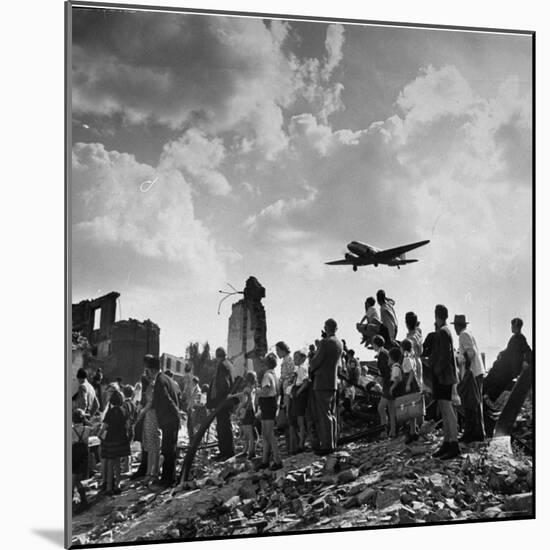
{"x": 301, "y": 400}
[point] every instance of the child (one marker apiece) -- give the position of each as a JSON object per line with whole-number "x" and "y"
{"x": 80, "y": 455}
{"x": 192, "y": 402}
{"x": 385, "y": 405}
{"x": 268, "y": 407}
{"x": 116, "y": 443}
{"x": 411, "y": 383}
{"x": 397, "y": 384}
{"x": 299, "y": 399}
{"x": 130, "y": 411}
{"x": 246, "y": 411}
{"x": 370, "y": 323}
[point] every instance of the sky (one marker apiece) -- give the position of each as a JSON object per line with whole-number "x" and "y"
{"x": 207, "y": 149}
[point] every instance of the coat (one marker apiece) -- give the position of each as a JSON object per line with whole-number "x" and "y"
{"x": 324, "y": 364}
{"x": 165, "y": 401}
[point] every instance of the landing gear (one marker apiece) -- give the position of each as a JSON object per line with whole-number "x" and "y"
{"x": 375, "y": 265}
{"x": 354, "y": 267}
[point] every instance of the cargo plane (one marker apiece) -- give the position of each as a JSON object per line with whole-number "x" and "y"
{"x": 365, "y": 254}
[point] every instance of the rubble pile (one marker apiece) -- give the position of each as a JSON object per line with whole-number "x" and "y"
{"x": 364, "y": 484}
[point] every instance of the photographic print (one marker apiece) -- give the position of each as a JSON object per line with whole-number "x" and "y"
{"x": 300, "y": 275}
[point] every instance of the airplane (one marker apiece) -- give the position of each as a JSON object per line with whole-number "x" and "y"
{"x": 366, "y": 254}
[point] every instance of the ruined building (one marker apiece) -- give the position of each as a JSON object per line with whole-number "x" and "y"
{"x": 247, "y": 340}
{"x": 117, "y": 347}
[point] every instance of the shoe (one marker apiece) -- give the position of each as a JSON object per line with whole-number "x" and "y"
{"x": 262, "y": 466}
{"x": 117, "y": 491}
{"x": 137, "y": 475}
{"x": 442, "y": 450}
{"x": 251, "y": 456}
{"x": 323, "y": 452}
{"x": 453, "y": 450}
{"x": 276, "y": 466}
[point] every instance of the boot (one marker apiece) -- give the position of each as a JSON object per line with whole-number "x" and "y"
{"x": 442, "y": 450}
{"x": 453, "y": 450}
{"x": 83, "y": 505}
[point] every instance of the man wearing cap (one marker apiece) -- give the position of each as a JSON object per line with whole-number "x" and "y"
{"x": 85, "y": 398}
{"x": 324, "y": 368}
{"x": 443, "y": 365}
{"x": 470, "y": 387}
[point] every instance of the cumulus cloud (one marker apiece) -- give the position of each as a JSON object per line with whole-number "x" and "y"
{"x": 198, "y": 157}
{"x": 113, "y": 209}
{"x": 155, "y": 66}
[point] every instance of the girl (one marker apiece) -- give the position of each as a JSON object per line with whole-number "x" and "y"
{"x": 80, "y": 455}
{"x": 246, "y": 411}
{"x": 396, "y": 385}
{"x": 268, "y": 407}
{"x": 370, "y": 323}
{"x": 287, "y": 379}
{"x": 411, "y": 383}
{"x": 299, "y": 400}
{"x": 116, "y": 443}
{"x": 151, "y": 436}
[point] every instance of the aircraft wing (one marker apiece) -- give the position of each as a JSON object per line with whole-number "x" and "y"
{"x": 397, "y": 251}
{"x": 340, "y": 262}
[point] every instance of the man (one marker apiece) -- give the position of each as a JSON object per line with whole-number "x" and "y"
{"x": 386, "y": 406}
{"x": 509, "y": 363}
{"x": 471, "y": 384}
{"x": 165, "y": 404}
{"x": 219, "y": 390}
{"x": 324, "y": 367}
{"x": 442, "y": 361}
{"x": 85, "y": 398}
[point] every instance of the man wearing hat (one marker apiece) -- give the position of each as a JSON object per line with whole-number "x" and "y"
{"x": 470, "y": 388}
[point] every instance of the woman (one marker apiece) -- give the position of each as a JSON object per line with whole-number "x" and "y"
{"x": 268, "y": 409}
{"x": 287, "y": 380}
{"x": 388, "y": 329}
{"x": 151, "y": 436}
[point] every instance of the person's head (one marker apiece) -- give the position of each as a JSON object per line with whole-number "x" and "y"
{"x": 381, "y": 296}
{"x": 282, "y": 349}
{"x": 128, "y": 391}
{"x": 441, "y": 315}
{"x": 406, "y": 346}
{"x": 378, "y": 342}
{"x": 411, "y": 320}
{"x": 169, "y": 373}
{"x": 220, "y": 354}
{"x": 152, "y": 366}
{"x": 459, "y": 323}
{"x": 81, "y": 375}
{"x": 351, "y": 353}
{"x": 331, "y": 327}
{"x": 251, "y": 379}
{"x": 79, "y": 416}
{"x": 205, "y": 388}
{"x": 270, "y": 361}
{"x": 187, "y": 368}
{"x": 111, "y": 389}
{"x": 119, "y": 381}
{"x": 396, "y": 355}
{"x": 116, "y": 399}
{"x": 369, "y": 302}
{"x": 516, "y": 325}
{"x": 195, "y": 380}
{"x": 300, "y": 356}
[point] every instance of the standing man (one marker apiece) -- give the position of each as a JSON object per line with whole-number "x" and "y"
{"x": 219, "y": 390}
{"x": 472, "y": 373}
{"x": 324, "y": 367}
{"x": 442, "y": 361}
{"x": 85, "y": 397}
{"x": 165, "y": 404}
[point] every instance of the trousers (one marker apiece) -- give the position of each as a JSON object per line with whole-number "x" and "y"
{"x": 326, "y": 423}
{"x": 225, "y": 433}
{"x": 168, "y": 450}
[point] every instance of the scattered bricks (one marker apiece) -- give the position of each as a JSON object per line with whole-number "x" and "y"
{"x": 351, "y": 502}
{"x": 497, "y": 480}
{"x": 331, "y": 464}
{"x": 297, "y": 507}
{"x": 174, "y": 534}
{"x": 247, "y": 491}
{"x": 246, "y": 531}
{"x": 492, "y": 512}
{"x": 147, "y": 499}
{"x": 368, "y": 496}
{"x": 406, "y": 499}
{"x": 365, "y": 468}
{"x": 347, "y": 476}
{"x": 231, "y": 503}
{"x": 387, "y": 498}
{"x": 118, "y": 517}
{"x": 519, "y": 503}
{"x": 271, "y": 513}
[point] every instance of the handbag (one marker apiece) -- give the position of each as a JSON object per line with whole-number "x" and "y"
{"x": 409, "y": 406}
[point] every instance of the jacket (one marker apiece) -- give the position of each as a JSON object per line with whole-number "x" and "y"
{"x": 324, "y": 364}
{"x": 165, "y": 401}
